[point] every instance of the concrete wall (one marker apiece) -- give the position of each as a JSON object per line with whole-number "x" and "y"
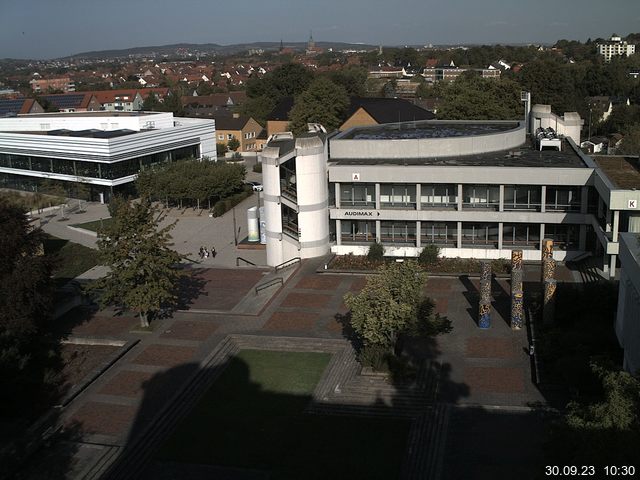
{"x": 569, "y": 125}
{"x": 428, "y": 147}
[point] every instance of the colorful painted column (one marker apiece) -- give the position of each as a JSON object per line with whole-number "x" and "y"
{"x": 547, "y": 252}
{"x": 549, "y": 308}
{"x": 484, "y": 317}
{"x": 517, "y": 297}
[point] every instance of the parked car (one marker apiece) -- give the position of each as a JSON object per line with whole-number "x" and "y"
{"x": 256, "y": 186}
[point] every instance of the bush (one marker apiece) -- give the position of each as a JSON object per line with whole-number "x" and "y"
{"x": 376, "y": 252}
{"x": 257, "y": 167}
{"x": 429, "y": 255}
{"x": 226, "y": 204}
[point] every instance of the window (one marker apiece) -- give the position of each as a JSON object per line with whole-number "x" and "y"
{"x": 480, "y": 235}
{"x": 439, "y": 233}
{"x": 565, "y": 237}
{"x": 398, "y": 196}
{"x": 481, "y": 196}
{"x": 220, "y": 137}
{"x": 229, "y": 136}
{"x": 438, "y": 196}
{"x": 563, "y": 199}
{"x": 525, "y": 235}
{"x": 522, "y": 197}
{"x": 403, "y": 233}
{"x": 45, "y": 126}
{"x": 355, "y": 231}
{"x": 290, "y": 222}
{"x": 358, "y": 195}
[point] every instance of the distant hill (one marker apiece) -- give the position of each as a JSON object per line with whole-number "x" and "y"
{"x": 214, "y": 48}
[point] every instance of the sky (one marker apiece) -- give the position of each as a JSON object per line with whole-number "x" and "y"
{"x": 41, "y": 29}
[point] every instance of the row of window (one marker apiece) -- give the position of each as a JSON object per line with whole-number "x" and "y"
{"x": 516, "y": 197}
{"x": 108, "y": 171}
{"x": 445, "y": 234}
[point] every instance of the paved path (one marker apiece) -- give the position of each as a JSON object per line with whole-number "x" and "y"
{"x": 469, "y": 370}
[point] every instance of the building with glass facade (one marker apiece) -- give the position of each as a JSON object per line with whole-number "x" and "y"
{"x": 102, "y": 150}
{"x": 476, "y": 189}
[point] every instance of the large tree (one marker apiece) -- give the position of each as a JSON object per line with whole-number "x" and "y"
{"x": 388, "y": 304}
{"x": 143, "y": 269}
{"x": 323, "y": 102}
{"x": 471, "y": 97}
{"x": 285, "y": 81}
{"x": 25, "y": 304}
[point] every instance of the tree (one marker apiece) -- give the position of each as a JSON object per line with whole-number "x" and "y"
{"x": 323, "y": 102}
{"x": 233, "y": 144}
{"x": 221, "y": 149}
{"x": 470, "y": 97}
{"x": 388, "y": 304}
{"x": 257, "y": 108}
{"x": 25, "y": 305}
{"x": 352, "y": 78}
{"x": 631, "y": 141}
{"x": 287, "y": 80}
{"x": 151, "y": 103}
{"x": 144, "y": 271}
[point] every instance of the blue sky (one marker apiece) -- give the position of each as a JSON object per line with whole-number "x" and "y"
{"x": 54, "y": 28}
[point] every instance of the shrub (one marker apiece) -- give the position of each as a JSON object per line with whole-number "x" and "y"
{"x": 257, "y": 167}
{"x": 429, "y": 255}
{"x": 376, "y": 252}
{"x": 226, "y": 204}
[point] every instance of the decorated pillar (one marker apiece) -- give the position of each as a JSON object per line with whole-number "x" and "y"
{"x": 547, "y": 252}
{"x": 549, "y": 308}
{"x": 517, "y": 297}
{"x": 484, "y": 318}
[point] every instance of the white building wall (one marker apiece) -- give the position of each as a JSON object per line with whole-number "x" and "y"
{"x": 627, "y": 324}
{"x": 569, "y": 125}
{"x": 272, "y": 206}
{"x": 312, "y": 196}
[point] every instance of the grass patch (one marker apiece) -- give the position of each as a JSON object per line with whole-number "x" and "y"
{"x": 71, "y": 259}
{"x": 94, "y": 225}
{"x": 253, "y": 417}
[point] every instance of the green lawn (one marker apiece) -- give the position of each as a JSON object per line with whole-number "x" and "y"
{"x": 253, "y": 417}
{"x": 95, "y": 225}
{"x": 72, "y": 259}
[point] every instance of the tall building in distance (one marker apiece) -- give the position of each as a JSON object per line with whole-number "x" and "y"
{"x": 615, "y": 47}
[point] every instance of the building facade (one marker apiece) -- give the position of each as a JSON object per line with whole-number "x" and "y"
{"x": 474, "y": 189}
{"x": 615, "y": 47}
{"x": 628, "y": 315}
{"x": 104, "y": 151}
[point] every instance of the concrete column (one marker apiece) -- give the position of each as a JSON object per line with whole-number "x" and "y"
{"x": 541, "y": 235}
{"x": 418, "y": 195}
{"x": 337, "y": 194}
{"x": 459, "y": 197}
{"x": 584, "y": 199}
{"x": 616, "y": 224}
{"x": 543, "y": 199}
{"x": 582, "y": 238}
{"x": 378, "y": 236}
{"x": 338, "y": 232}
{"x": 500, "y": 227}
{"x": 418, "y": 239}
{"x": 459, "y": 241}
{"x": 377, "y": 196}
{"x": 612, "y": 266}
{"x": 501, "y": 204}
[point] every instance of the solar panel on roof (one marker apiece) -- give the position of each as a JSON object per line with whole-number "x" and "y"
{"x": 12, "y": 106}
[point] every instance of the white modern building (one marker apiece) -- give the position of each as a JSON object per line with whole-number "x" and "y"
{"x": 615, "y": 47}
{"x": 104, "y": 150}
{"x": 628, "y": 315}
{"x": 476, "y": 189}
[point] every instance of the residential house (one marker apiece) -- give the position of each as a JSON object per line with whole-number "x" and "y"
{"x": 18, "y": 106}
{"x": 212, "y": 105}
{"x": 73, "y": 102}
{"x": 615, "y": 47}
{"x": 42, "y": 85}
{"x": 278, "y": 119}
{"x": 245, "y": 129}
{"x": 376, "y": 111}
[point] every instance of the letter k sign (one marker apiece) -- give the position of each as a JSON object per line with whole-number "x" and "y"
{"x": 632, "y": 204}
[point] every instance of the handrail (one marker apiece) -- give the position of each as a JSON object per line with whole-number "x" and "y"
{"x": 268, "y": 284}
{"x": 288, "y": 263}
{"x": 245, "y": 261}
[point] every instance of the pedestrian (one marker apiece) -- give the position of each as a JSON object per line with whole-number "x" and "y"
{"x": 201, "y": 253}
{"x": 206, "y": 252}
{"x": 213, "y": 251}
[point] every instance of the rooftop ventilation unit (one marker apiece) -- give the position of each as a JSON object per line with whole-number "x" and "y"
{"x": 548, "y": 138}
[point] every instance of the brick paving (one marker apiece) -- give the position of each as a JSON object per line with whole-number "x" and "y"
{"x": 85, "y": 322}
{"x": 477, "y": 367}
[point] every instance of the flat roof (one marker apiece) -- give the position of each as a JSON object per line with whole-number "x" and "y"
{"x": 524, "y": 156}
{"x": 89, "y": 133}
{"x": 427, "y": 129}
{"x": 101, "y": 113}
{"x": 624, "y": 172}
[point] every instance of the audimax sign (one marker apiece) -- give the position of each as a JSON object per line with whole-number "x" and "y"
{"x": 361, "y": 213}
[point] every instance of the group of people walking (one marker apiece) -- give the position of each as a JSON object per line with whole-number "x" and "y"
{"x": 204, "y": 253}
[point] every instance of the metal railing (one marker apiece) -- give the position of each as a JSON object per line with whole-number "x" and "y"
{"x": 288, "y": 263}
{"x": 238, "y": 259}
{"x": 270, "y": 283}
